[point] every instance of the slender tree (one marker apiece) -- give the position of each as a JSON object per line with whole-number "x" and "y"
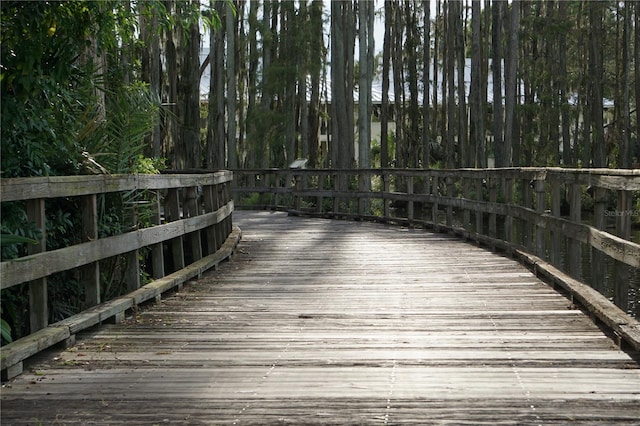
{"x": 496, "y": 69}
{"x": 366, "y": 48}
{"x": 426, "y": 84}
{"x": 511, "y": 85}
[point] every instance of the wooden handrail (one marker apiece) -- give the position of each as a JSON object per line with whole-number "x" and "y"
{"x": 193, "y": 216}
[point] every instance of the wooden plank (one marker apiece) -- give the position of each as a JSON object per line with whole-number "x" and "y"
{"x": 331, "y": 322}
{"x": 15, "y": 189}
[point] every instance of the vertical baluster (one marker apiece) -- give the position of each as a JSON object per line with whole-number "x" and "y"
{"x": 435, "y": 191}
{"x": 623, "y": 229}
{"x": 540, "y": 209}
{"x": 479, "y": 197}
{"x": 556, "y": 235}
{"x": 172, "y": 212}
{"x": 575, "y": 258}
{"x": 38, "y": 310}
{"x": 410, "y": 193}
{"x": 493, "y": 198}
{"x": 90, "y": 274}
{"x": 157, "y": 250}
{"x": 598, "y": 267}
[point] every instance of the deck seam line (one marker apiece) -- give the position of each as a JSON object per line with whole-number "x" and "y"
{"x": 514, "y": 367}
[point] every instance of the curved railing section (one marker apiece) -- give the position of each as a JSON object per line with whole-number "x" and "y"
{"x": 570, "y": 226}
{"x": 188, "y": 229}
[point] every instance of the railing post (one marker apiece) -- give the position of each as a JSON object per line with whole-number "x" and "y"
{"x": 296, "y": 180}
{"x": 132, "y": 268}
{"x": 540, "y": 208}
{"x": 410, "y": 193}
{"x": 623, "y": 229}
{"x": 192, "y": 210}
{"x": 336, "y": 190}
{"x": 478, "y": 213}
{"x": 364, "y": 186}
{"x": 598, "y": 263}
{"x": 574, "y": 255}
{"x": 493, "y": 198}
{"x": 172, "y": 207}
{"x": 556, "y": 235}
{"x": 38, "y": 310}
{"x": 450, "y": 192}
{"x": 527, "y": 227}
{"x": 508, "y": 200}
{"x": 435, "y": 191}
{"x": 90, "y": 274}
{"x": 386, "y": 177}
{"x": 319, "y": 199}
{"x": 466, "y": 194}
{"x": 209, "y": 206}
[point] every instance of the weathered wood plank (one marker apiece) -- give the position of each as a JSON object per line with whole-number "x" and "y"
{"x": 14, "y": 189}
{"x": 330, "y": 322}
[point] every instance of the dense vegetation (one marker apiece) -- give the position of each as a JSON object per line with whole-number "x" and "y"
{"x": 115, "y": 87}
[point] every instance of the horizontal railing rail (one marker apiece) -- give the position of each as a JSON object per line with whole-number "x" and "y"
{"x": 188, "y": 230}
{"x": 551, "y": 218}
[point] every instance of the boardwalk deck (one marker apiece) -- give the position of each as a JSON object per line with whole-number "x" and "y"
{"x": 327, "y": 322}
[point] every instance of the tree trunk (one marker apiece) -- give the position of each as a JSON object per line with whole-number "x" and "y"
{"x": 476, "y": 112}
{"x": 426, "y": 58}
{"x": 342, "y": 84}
{"x": 316, "y": 55}
{"x": 625, "y": 142}
{"x": 567, "y": 157}
{"x": 366, "y": 47}
{"x": 232, "y": 153}
{"x": 596, "y": 71}
{"x": 511, "y": 84}
{"x": 252, "y": 89}
{"x": 386, "y": 60}
{"x": 451, "y": 90}
{"x": 496, "y": 69}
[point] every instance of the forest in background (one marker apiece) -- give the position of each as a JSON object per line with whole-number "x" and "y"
{"x": 94, "y": 87}
{"x": 114, "y": 86}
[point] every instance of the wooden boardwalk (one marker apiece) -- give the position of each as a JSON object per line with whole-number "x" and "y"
{"x": 333, "y": 322}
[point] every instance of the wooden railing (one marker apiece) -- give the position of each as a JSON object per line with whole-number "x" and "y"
{"x": 189, "y": 230}
{"x": 536, "y": 214}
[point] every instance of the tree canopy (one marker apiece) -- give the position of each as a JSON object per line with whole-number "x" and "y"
{"x": 463, "y": 83}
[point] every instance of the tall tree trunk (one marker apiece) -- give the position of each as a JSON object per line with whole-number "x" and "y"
{"x": 449, "y": 72}
{"x": 172, "y": 132}
{"x": 151, "y": 66}
{"x": 253, "y": 139}
{"x": 216, "y": 146}
{"x": 189, "y": 99}
{"x": 476, "y": 112}
{"x": 386, "y": 60}
{"x": 636, "y": 61}
{"x": 625, "y": 142}
{"x": 511, "y": 84}
{"x": 426, "y": 84}
{"x": 463, "y": 134}
{"x": 567, "y": 157}
{"x": 413, "y": 115}
{"x": 366, "y": 47}
{"x": 496, "y": 69}
{"x": 315, "y": 54}
{"x": 232, "y": 153}
{"x": 596, "y": 74}
{"x": 342, "y": 85}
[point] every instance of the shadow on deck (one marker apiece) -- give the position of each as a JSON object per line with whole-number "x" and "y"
{"x": 316, "y": 321}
